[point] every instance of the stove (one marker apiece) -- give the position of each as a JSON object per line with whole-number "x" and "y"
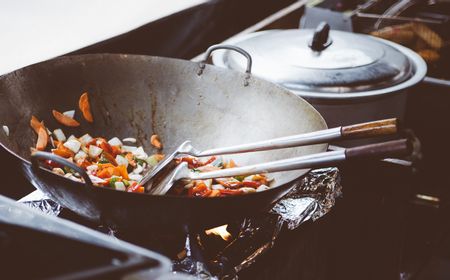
{"x": 380, "y": 220}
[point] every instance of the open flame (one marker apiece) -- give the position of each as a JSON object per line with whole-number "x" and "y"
{"x": 221, "y": 231}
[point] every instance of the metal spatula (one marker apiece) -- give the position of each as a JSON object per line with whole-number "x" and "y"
{"x": 362, "y": 130}
{"x": 325, "y": 159}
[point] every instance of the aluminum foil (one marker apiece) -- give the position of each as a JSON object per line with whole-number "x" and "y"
{"x": 311, "y": 198}
{"x": 40, "y": 201}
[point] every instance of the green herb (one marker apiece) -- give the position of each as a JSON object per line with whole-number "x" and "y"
{"x": 103, "y": 160}
{"x": 68, "y": 170}
{"x": 113, "y": 181}
{"x": 140, "y": 161}
{"x": 195, "y": 170}
{"x": 126, "y": 183}
{"x": 239, "y": 178}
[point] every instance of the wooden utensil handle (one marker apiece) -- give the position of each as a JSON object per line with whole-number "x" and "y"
{"x": 370, "y": 129}
{"x": 393, "y": 148}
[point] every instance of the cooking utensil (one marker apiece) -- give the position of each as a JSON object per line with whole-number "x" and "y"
{"x": 325, "y": 159}
{"x": 348, "y": 77}
{"x": 369, "y": 129}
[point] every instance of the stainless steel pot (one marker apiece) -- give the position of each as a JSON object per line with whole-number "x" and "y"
{"x": 347, "y": 77}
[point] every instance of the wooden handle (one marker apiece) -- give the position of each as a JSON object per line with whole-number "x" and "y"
{"x": 394, "y": 148}
{"x": 370, "y": 129}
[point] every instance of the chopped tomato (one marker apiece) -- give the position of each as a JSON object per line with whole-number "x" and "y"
{"x": 105, "y": 146}
{"x": 230, "y": 192}
{"x": 121, "y": 170}
{"x": 251, "y": 184}
{"x": 52, "y": 163}
{"x": 106, "y": 172}
{"x": 135, "y": 187}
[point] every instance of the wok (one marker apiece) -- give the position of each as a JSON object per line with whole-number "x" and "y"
{"x": 137, "y": 96}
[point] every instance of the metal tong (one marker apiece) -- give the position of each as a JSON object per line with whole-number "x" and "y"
{"x": 362, "y": 130}
{"x": 325, "y": 159}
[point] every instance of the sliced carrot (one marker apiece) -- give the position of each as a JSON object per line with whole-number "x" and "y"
{"x": 106, "y": 172}
{"x": 230, "y": 164}
{"x": 214, "y": 193}
{"x": 121, "y": 170}
{"x": 159, "y": 157}
{"x": 104, "y": 165}
{"x": 154, "y": 140}
{"x": 130, "y": 158}
{"x": 36, "y": 124}
{"x": 85, "y": 107}
{"x": 63, "y": 151}
{"x": 65, "y": 120}
{"x": 110, "y": 158}
{"x": 42, "y": 140}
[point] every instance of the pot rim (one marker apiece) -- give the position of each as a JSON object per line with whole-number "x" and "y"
{"x": 420, "y": 70}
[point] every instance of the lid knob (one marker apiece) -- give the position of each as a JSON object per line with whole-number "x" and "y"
{"x": 321, "y": 40}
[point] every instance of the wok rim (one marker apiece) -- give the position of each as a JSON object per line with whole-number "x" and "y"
{"x": 288, "y": 184}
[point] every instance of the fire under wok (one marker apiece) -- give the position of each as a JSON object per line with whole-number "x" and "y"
{"x": 137, "y": 96}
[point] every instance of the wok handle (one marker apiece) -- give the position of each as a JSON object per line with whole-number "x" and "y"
{"x": 248, "y": 70}
{"x": 325, "y": 159}
{"x": 36, "y": 156}
{"x": 395, "y": 148}
{"x": 369, "y": 129}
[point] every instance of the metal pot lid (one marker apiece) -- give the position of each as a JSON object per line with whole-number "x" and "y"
{"x": 321, "y": 61}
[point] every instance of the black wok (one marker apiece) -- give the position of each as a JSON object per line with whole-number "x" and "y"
{"x": 137, "y": 96}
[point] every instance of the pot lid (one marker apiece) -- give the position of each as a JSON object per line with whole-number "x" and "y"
{"x": 321, "y": 61}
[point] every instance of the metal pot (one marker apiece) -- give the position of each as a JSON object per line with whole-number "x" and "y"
{"x": 347, "y": 77}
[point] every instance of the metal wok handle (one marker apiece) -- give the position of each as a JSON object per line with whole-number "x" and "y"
{"x": 373, "y": 151}
{"x": 248, "y": 69}
{"x": 36, "y": 156}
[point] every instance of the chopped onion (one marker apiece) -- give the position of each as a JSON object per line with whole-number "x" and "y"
{"x": 128, "y": 149}
{"x": 138, "y": 169}
{"x": 247, "y": 190}
{"x": 58, "y": 171}
{"x": 59, "y": 134}
{"x": 115, "y": 142}
{"x": 135, "y": 177}
{"x": 94, "y": 151}
{"x": 120, "y": 186}
{"x": 140, "y": 153}
{"x": 129, "y": 140}
{"x": 92, "y": 168}
{"x": 85, "y": 139}
{"x": 96, "y": 180}
{"x": 217, "y": 187}
{"x": 208, "y": 183}
{"x": 152, "y": 161}
{"x": 70, "y": 113}
{"x": 262, "y": 188}
{"x": 73, "y": 145}
{"x": 248, "y": 178}
{"x": 71, "y": 137}
{"x": 80, "y": 156}
{"x": 121, "y": 160}
{"x": 6, "y": 130}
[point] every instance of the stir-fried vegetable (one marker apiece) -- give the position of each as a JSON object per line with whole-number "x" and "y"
{"x": 111, "y": 164}
{"x": 220, "y": 186}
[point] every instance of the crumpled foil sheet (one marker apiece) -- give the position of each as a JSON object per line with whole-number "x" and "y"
{"x": 311, "y": 198}
{"x": 41, "y": 202}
